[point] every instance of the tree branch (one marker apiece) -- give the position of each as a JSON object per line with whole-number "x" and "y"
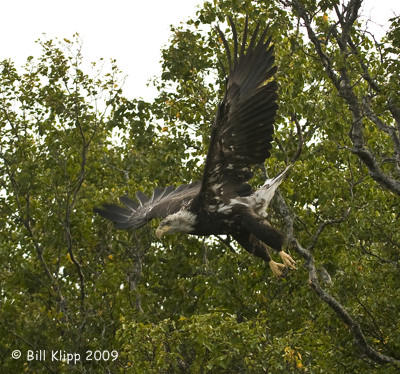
{"x": 339, "y": 309}
{"x": 26, "y": 220}
{"x": 342, "y": 82}
{"x": 325, "y": 224}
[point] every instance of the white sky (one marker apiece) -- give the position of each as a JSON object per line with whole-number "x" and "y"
{"x": 130, "y": 31}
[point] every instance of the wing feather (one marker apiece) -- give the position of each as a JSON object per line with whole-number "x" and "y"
{"x": 163, "y": 202}
{"x": 243, "y": 129}
{"x": 142, "y": 198}
{"x": 244, "y": 37}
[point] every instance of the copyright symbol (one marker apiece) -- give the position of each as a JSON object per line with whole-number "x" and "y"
{"x": 16, "y": 354}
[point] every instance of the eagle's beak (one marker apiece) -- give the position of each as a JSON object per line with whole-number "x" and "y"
{"x": 161, "y": 231}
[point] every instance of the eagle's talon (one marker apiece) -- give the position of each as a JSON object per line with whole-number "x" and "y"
{"x": 277, "y": 268}
{"x": 287, "y": 260}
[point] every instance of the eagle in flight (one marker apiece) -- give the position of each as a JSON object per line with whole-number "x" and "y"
{"x": 241, "y": 135}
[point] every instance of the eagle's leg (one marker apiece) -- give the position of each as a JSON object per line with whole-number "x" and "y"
{"x": 254, "y": 246}
{"x": 263, "y": 231}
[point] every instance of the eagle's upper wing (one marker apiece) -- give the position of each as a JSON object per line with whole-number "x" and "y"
{"x": 242, "y": 132}
{"x": 163, "y": 202}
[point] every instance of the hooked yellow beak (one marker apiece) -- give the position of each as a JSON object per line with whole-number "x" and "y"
{"x": 161, "y": 231}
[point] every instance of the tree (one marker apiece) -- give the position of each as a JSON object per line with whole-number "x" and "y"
{"x": 70, "y": 140}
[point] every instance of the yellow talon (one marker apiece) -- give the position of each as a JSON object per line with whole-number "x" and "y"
{"x": 287, "y": 260}
{"x": 276, "y": 268}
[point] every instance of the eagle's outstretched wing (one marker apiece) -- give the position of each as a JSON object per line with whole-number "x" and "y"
{"x": 163, "y": 202}
{"x": 242, "y": 132}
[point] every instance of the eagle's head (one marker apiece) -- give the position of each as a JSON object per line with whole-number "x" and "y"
{"x": 182, "y": 221}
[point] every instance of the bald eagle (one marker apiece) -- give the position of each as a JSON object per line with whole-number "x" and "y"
{"x": 241, "y": 135}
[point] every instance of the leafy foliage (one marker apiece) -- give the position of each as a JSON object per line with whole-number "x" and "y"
{"x": 71, "y": 140}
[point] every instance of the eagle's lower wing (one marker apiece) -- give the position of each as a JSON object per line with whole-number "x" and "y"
{"x": 163, "y": 202}
{"x": 243, "y": 129}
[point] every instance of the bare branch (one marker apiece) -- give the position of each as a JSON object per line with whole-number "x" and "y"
{"x": 325, "y": 224}
{"x": 339, "y": 309}
{"x": 325, "y": 60}
{"x": 345, "y": 89}
{"x": 135, "y": 273}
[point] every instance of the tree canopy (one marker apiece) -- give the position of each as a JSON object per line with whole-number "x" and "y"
{"x": 70, "y": 140}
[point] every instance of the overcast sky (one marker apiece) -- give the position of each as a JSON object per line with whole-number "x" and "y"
{"x": 130, "y": 31}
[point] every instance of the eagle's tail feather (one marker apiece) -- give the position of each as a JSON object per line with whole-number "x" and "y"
{"x": 278, "y": 179}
